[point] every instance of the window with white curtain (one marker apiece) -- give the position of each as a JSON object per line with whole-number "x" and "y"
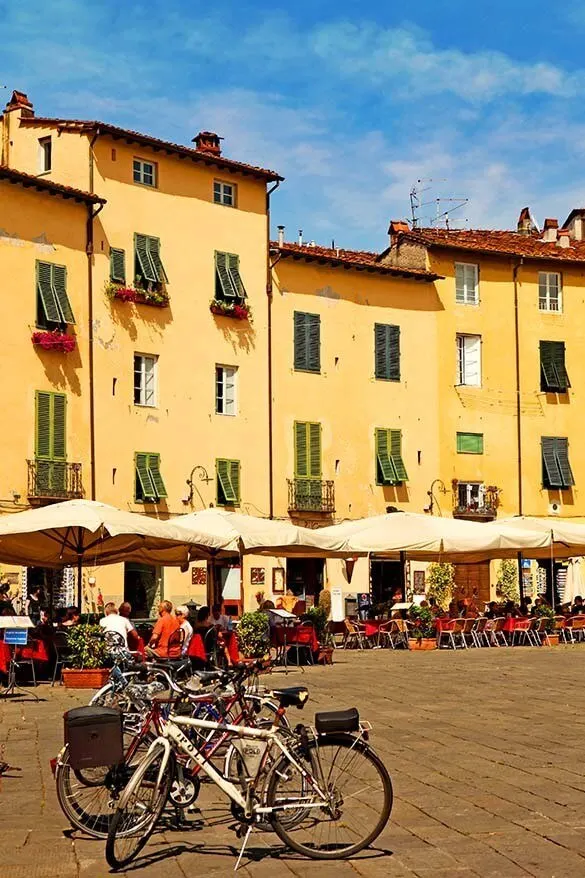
{"x": 469, "y": 360}
{"x": 466, "y": 283}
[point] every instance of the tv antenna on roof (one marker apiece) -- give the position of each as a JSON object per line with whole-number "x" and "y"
{"x": 416, "y": 204}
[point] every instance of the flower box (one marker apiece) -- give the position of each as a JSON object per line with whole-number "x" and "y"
{"x": 139, "y": 297}
{"x": 54, "y": 341}
{"x": 85, "y": 678}
{"x": 422, "y": 643}
{"x": 227, "y": 309}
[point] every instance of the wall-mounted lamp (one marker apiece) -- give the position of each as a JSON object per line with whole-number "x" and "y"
{"x": 440, "y": 487}
{"x": 203, "y": 476}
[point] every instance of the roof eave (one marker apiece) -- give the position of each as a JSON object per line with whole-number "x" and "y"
{"x": 375, "y": 268}
{"x": 48, "y": 187}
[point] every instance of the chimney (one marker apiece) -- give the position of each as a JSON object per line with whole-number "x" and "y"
{"x": 20, "y": 101}
{"x": 280, "y": 235}
{"x": 395, "y": 229}
{"x": 300, "y": 237}
{"x": 563, "y": 239}
{"x": 575, "y": 224}
{"x": 207, "y": 141}
{"x": 551, "y": 228}
{"x": 526, "y": 224}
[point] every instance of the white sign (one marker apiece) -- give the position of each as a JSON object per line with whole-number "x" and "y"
{"x": 337, "y": 608}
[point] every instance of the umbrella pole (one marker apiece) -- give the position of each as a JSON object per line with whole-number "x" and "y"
{"x": 552, "y": 574}
{"x": 79, "y": 581}
{"x": 520, "y": 578}
{"x": 403, "y": 574}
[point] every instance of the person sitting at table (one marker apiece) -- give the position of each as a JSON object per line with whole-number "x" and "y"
{"x": 6, "y": 607}
{"x": 166, "y": 625}
{"x": 202, "y": 620}
{"x": 72, "y": 617}
{"x": 182, "y": 614}
{"x": 113, "y": 621}
{"x": 219, "y": 619}
{"x": 578, "y": 609}
{"x": 526, "y": 607}
{"x": 453, "y": 612}
{"x": 510, "y": 610}
{"x": 287, "y": 601}
{"x": 125, "y": 610}
{"x": 45, "y": 627}
{"x": 32, "y": 606}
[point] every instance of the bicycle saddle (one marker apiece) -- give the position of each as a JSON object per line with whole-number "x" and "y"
{"x": 294, "y": 696}
{"x": 337, "y": 721}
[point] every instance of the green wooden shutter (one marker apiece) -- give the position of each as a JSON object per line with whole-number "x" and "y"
{"x": 59, "y": 283}
{"x": 144, "y": 481}
{"x": 233, "y": 264}
{"x": 559, "y": 364}
{"x": 117, "y": 265}
{"x": 155, "y": 475}
{"x": 550, "y": 468}
{"x": 300, "y": 341}
{"x": 552, "y": 365}
{"x": 153, "y": 248}
{"x": 386, "y": 474}
{"x": 314, "y": 342}
{"x": 143, "y": 262}
{"x": 228, "y": 290}
{"x": 396, "y": 455}
{"x": 301, "y": 449}
{"x": 562, "y": 455}
{"x": 59, "y": 417}
{"x": 234, "y": 473}
{"x": 46, "y": 292}
{"x": 394, "y": 352}
{"x": 470, "y": 443}
{"x": 225, "y": 494}
{"x": 381, "y": 358}
{"x": 43, "y": 404}
{"x": 314, "y": 431}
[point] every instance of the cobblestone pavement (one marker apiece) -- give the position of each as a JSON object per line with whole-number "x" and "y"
{"x": 485, "y": 749}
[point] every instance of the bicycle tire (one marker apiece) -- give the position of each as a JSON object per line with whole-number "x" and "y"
{"x": 84, "y": 798}
{"x": 125, "y": 823}
{"x": 281, "y": 775}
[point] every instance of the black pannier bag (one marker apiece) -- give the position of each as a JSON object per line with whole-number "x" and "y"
{"x": 94, "y": 735}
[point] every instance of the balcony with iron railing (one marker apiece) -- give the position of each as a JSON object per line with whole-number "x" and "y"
{"x": 54, "y": 480}
{"x": 311, "y": 495}
{"x": 473, "y": 501}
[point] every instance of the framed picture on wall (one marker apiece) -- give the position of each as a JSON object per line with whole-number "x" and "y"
{"x": 258, "y": 575}
{"x": 278, "y": 580}
{"x": 418, "y": 579}
{"x": 199, "y": 576}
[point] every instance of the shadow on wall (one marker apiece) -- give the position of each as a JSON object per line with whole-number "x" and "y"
{"x": 239, "y": 333}
{"x": 129, "y": 314}
{"x": 395, "y": 494}
{"x": 61, "y": 369}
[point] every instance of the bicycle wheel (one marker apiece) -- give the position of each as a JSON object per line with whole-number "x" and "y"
{"x": 141, "y": 805}
{"x": 358, "y": 801}
{"x": 88, "y": 797}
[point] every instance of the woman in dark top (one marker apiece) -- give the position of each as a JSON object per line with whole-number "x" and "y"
{"x": 33, "y": 605}
{"x": 6, "y": 608}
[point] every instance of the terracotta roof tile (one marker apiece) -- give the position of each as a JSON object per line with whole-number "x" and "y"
{"x": 44, "y": 185}
{"x": 494, "y": 241}
{"x": 155, "y": 143}
{"x": 359, "y": 259}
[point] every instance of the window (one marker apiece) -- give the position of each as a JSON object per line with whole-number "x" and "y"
{"x": 556, "y": 469}
{"x": 466, "y": 283}
{"x": 225, "y": 390}
{"x": 550, "y": 297}
{"x": 148, "y": 267}
{"x": 469, "y": 360}
{"x": 149, "y": 483}
{"x": 50, "y": 443}
{"x": 144, "y": 172}
{"x": 228, "y": 283}
{"x": 227, "y": 482}
{"x": 469, "y": 443}
{"x": 387, "y": 352}
{"x": 307, "y": 438}
{"x": 117, "y": 266}
{"x": 390, "y": 469}
{"x": 553, "y": 374}
{"x": 471, "y": 496}
{"x": 45, "y": 155}
{"x": 53, "y": 306}
{"x": 145, "y": 379}
{"x": 224, "y": 193}
{"x": 307, "y": 342}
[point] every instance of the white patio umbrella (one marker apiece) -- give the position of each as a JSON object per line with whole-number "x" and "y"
{"x": 567, "y": 535}
{"x": 428, "y": 537}
{"x": 84, "y": 532}
{"x": 575, "y": 583}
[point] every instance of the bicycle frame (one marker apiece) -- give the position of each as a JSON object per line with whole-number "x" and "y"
{"x": 172, "y": 732}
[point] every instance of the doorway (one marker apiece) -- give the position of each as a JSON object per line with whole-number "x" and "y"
{"x": 143, "y": 589}
{"x": 386, "y": 582}
{"x": 304, "y": 576}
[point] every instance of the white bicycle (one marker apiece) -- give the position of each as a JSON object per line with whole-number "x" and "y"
{"x": 324, "y": 790}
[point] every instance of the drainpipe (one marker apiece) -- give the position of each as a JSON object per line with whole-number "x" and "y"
{"x": 91, "y": 214}
{"x": 518, "y": 399}
{"x": 269, "y": 267}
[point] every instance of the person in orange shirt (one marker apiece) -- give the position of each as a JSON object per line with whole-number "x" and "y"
{"x": 166, "y": 625}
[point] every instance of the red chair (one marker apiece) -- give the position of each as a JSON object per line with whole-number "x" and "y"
{"x": 303, "y": 637}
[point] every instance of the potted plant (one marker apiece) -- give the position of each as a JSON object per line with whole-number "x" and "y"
{"x": 237, "y": 310}
{"x": 54, "y": 340}
{"x": 421, "y": 634}
{"x": 137, "y": 294}
{"x": 440, "y": 581}
{"x": 547, "y": 612}
{"x": 254, "y": 635}
{"x": 87, "y": 657}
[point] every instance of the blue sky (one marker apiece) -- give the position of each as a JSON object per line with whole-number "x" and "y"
{"x": 351, "y": 102}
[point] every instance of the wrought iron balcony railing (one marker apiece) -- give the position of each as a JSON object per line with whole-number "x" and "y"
{"x": 475, "y": 512}
{"x": 54, "y": 480}
{"x": 311, "y": 495}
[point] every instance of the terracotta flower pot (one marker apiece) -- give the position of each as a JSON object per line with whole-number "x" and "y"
{"x": 85, "y": 678}
{"x": 422, "y": 643}
{"x": 553, "y": 639}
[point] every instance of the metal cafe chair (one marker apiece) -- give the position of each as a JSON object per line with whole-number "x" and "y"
{"x": 394, "y": 633}
{"x": 478, "y": 632}
{"x": 575, "y": 628}
{"x": 62, "y": 653}
{"x": 355, "y": 635}
{"x": 496, "y": 633}
{"x": 453, "y": 633}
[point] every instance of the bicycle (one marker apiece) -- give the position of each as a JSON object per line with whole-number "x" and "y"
{"x": 302, "y": 777}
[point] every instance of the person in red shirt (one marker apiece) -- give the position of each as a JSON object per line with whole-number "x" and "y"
{"x": 166, "y": 625}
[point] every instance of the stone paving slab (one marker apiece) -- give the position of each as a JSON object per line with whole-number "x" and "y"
{"x": 485, "y": 749}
